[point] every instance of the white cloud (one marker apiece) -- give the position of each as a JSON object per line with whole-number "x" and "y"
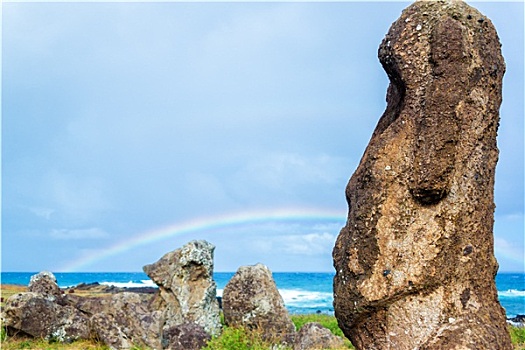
{"x": 262, "y": 246}
{"x": 76, "y": 198}
{"x": 509, "y": 242}
{"x": 509, "y": 252}
{"x": 254, "y": 37}
{"x": 42, "y": 212}
{"x": 331, "y": 227}
{"x": 206, "y": 187}
{"x": 288, "y": 171}
{"x": 78, "y": 234}
{"x": 309, "y": 244}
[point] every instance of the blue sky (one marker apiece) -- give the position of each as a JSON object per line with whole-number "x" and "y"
{"x": 129, "y": 129}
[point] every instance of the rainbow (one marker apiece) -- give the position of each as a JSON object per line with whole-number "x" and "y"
{"x": 207, "y": 224}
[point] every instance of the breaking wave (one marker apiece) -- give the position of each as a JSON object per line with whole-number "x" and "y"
{"x": 298, "y": 300}
{"x": 512, "y": 293}
{"x": 131, "y": 284}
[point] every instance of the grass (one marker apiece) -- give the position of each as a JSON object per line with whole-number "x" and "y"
{"x": 238, "y": 338}
{"x": 517, "y": 336}
{"x": 6, "y": 290}
{"x": 21, "y": 343}
{"x": 326, "y": 321}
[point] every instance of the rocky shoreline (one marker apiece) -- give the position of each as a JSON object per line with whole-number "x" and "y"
{"x": 518, "y": 321}
{"x": 96, "y": 287}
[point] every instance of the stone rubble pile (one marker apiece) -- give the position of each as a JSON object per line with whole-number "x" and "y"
{"x": 182, "y": 315}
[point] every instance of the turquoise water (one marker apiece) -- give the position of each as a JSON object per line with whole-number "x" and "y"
{"x": 302, "y": 292}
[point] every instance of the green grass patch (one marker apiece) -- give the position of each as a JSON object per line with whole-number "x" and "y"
{"x": 3, "y": 334}
{"x": 238, "y": 338}
{"x": 517, "y": 335}
{"x": 13, "y": 343}
{"x": 324, "y": 320}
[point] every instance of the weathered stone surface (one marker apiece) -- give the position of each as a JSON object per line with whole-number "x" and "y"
{"x": 121, "y": 320}
{"x": 45, "y": 283}
{"x": 186, "y": 285}
{"x": 36, "y": 315}
{"x": 186, "y": 336}
{"x": 415, "y": 264}
{"x": 313, "y": 336}
{"x": 124, "y": 320}
{"x": 88, "y": 305}
{"x": 251, "y": 299}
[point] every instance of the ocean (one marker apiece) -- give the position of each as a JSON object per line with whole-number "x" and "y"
{"x": 302, "y": 292}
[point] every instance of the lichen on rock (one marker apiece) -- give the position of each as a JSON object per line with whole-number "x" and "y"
{"x": 251, "y": 299}
{"x": 187, "y": 291}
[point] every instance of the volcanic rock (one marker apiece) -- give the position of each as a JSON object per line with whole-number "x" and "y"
{"x": 45, "y": 283}
{"x": 36, "y": 315}
{"x": 251, "y": 299}
{"x": 88, "y": 305}
{"x": 186, "y": 336}
{"x": 415, "y": 262}
{"x": 121, "y": 320}
{"x": 186, "y": 287}
{"x": 518, "y": 320}
{"x": 313, "y": 336}
{"x": 124, "y": 320}
{"x": 97, "y": 288}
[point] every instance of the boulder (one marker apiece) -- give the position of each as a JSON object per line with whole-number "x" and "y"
{"x": 415, "y": 262}
{"x": 125, "y": 320}
{"x": 45, "y": 283}
{"x": 88, "y": 305}
{"x": 313, "y": 336}
{"x": 251, "y": 299}
{"x": 186, "y": 336}
{"x": 187, "y": 290}
{"x": 121, "y": 320}
{"x": 36, "y": 315}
